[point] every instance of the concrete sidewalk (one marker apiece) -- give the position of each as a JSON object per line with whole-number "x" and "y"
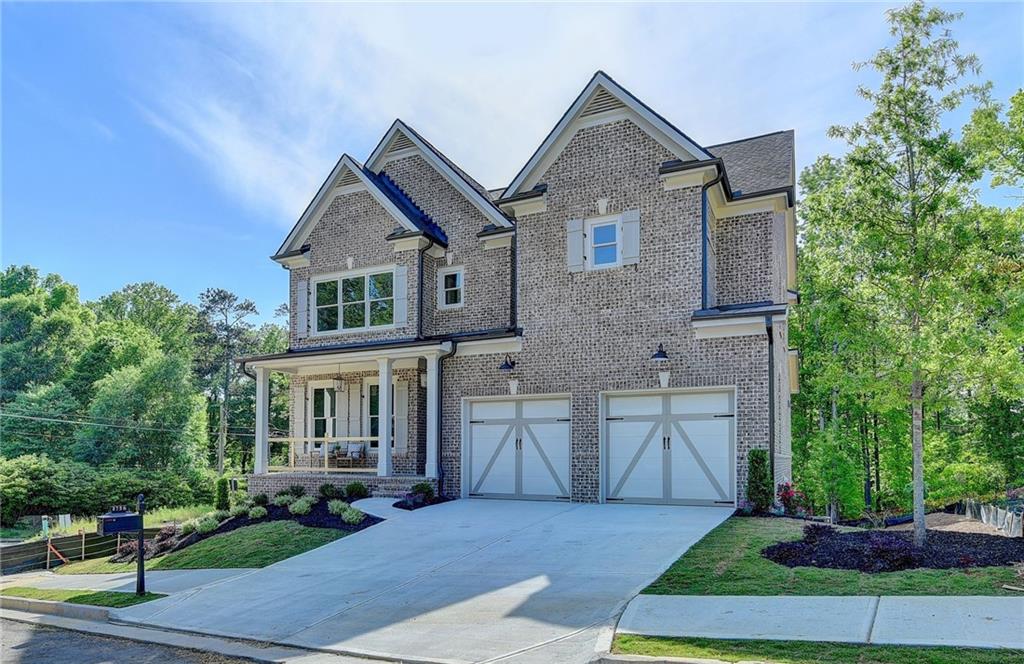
{"x": 167, "y": 582}
{"x": 980, "y": 622}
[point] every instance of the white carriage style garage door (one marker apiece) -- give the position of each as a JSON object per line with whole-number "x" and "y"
{"x": 518, "y": 448}
{"x": 670, "y": 447}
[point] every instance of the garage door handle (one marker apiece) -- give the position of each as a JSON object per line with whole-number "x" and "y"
{"x": 729, "y": 415}
{"x": 614, "y": 419}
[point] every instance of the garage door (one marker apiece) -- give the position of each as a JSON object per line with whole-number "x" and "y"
{"x": 670, "y": 447}
{"x": 519, "y": 448}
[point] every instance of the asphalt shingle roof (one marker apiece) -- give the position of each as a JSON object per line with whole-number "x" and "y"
{"x": 759, "y": 163}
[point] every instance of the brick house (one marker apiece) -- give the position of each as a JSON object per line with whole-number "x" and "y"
{"x": 612, "y": 326}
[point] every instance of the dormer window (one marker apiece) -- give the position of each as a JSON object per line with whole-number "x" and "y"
{"x": 450, "y": 288}
{"x": 367, "y": 300}
{"x": 604, "y": 243}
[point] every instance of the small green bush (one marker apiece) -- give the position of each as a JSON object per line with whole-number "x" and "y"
{"x": 425, "y": 489}
{"x": 356, "y": 491}
{"x": 297, "y": 490}
{"x": 257, "y": 512}
{"x": 337, "y": 507}
{"x": 283, "y": 499}
{"x": 219, "y": 515}
{"x": 759, "y": 480}
{"x": 189, "y": 527}
{"x": 302, "y": 506}
{"x": 329, "y": 491}
{"x": 240, "y": 509}
{"x": 261, "y": 499}
{"x": 222, "y": 502}
{"x": 352, "y": 516}
{"x": 207, "y": 525}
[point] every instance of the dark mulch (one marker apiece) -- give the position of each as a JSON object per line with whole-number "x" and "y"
{"x": 415, "y": 501}
{"x": 890, "y": 551}
{"x": 318, "y": 518}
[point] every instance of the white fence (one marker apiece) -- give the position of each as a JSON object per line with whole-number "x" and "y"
{"x": 1007, "y": 522}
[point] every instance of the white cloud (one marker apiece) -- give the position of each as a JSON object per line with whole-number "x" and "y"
{"x": 268, "y": 96}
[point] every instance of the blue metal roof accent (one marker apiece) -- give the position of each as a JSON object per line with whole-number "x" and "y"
{"x": 413, "y": 212}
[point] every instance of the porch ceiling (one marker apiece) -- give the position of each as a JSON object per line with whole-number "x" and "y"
{"x": 356, "y": 359}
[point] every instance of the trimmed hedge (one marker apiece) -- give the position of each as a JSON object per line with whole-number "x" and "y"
{"x": 36, "y": 484}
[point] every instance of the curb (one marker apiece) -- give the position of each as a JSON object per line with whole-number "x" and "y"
{"x": 63, "y": 609}
{"x": 644, "y": 659}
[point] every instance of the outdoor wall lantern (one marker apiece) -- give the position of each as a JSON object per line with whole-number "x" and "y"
{"x": 660, "y": 357}
{"x": 508, "y": 365}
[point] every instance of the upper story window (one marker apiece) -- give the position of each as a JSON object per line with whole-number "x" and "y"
{"x": 355, "y": 301}
{"x": 603, "y": 243}
{"x": 450, "y": 292}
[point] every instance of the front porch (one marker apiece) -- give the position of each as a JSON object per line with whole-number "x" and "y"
{"x": 395, "y": 486}
{"x": 356, "y": 414}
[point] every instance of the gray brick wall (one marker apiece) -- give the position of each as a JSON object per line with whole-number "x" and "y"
{"x": 745, "y": 267}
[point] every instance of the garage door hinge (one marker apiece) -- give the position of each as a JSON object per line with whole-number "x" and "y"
{"x": 729, "y": 415}
{"x": 610, "y": 419}
{"x": 563, "y": 419}
{"x": 476, "y": 421}
{"x": 613, "y": 500}
{"x": 475, "y": 494}
{"x": 723, "y": 502}
{"x": 561, "y": 497}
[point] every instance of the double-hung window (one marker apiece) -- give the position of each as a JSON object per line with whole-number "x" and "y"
{"x": 450, "y": 287}
{"x": 357, "y": 301}
{"x": 603, "y": 243}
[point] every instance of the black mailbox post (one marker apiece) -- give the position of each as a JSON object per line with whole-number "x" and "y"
{"x": 120, "y": 520}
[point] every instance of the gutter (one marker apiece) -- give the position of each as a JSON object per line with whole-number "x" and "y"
{"x": 771, "y": 396}
{"x": 704, "y": 237}
{"x": 440, "y": 412}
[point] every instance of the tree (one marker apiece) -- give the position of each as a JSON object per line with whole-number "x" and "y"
{"x": 155, "y": 308}
{"x": 903, "y": 202}
{"x": 999, "y": 145}
{"x": 224, "y": 325}
{"x": 115, "y": 344}
{"x": 33, "y": 425}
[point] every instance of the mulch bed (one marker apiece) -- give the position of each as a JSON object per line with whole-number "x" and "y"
{"x": 888, "y": 551}
{"x": 318, "y": 518}
{"x": 416, "y": 501}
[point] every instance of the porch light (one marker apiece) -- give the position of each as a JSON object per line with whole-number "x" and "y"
{"x": 508, "y": 365}
{"x": 660, "y": 355}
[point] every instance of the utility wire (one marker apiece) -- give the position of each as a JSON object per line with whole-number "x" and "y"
{"x": 21, "y": 410}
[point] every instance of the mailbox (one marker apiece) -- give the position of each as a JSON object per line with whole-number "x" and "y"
{"x": 118, "y": 521}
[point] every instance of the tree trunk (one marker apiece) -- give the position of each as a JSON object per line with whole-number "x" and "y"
{"x": 917, "y": 441}
{"x": 878, "y": 465}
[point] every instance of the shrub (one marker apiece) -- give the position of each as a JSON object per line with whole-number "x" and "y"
{"x": 297, "y": 490}
{"x": 189, "y": 527}
{"x": 337, "y": 507}
{"x": 207, "y": 525}
{"x": 301, "y": 506}
{"x": 425, "y": 489}
{"x": 794, "y": 502}
{"x": 352, "y": 516}
{"x": 329, "y": 491}
{"x": 257, "y": 512}
{"x": 261, "y": 500}
{"x": 219, "y": 515}
{"x": 816, "y": 532}
{"x": 222, "y": 502}
{"x": 240, "y": 509}
{"x": 759, "y": 480}
{"x": 356, "y": 491}
{"x": 283, "y": 499}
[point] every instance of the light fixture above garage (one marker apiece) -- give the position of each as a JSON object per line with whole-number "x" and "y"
{"x": 660, "y": 355}
{"x": 508, "y": 365}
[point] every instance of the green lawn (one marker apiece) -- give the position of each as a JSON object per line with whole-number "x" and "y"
{"x": 154, "y": 518}
{"x": 252, "y": 546}
{"x": 108, "y": 598}
{"x": 803, "y": 652}
{"x": 728, "y": 562}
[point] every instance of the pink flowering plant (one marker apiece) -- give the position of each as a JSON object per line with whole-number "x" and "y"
{"x": 794, "y": 502}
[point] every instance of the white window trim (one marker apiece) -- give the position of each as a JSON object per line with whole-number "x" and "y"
{"x": 588, "y": 244}
{"x": 338, "y": 276}
{"x": 441, "y": 274}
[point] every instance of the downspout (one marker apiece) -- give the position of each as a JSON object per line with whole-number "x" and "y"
{"x": 704, "y": 233}
{"x": 440, "y": 411}
{"x": 771, "y": 396}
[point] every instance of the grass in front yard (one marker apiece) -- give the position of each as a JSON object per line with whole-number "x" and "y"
{"x": 806, "y": 652}
{"x": 251, "y": 546}
{"x": 107, "y": 598}
{"x": 154, "y": 518}
{"x": 728, "y": 562}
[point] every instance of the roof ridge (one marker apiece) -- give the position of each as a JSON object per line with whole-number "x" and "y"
{"x": 752, "y": 138}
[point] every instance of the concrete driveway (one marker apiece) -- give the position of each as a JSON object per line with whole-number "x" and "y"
{"x": 465, "y": 581}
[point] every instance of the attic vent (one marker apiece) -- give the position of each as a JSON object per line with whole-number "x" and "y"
{"x": 348, "y": 178}
{"x": 601, "y": 102}
{"x": 401, "y": 142}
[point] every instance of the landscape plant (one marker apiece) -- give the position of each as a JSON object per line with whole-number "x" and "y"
{"x": 337, "y": 507}
{"x": 759, "y": 480}
{"x": 283, "y": 499}
{"x": 329, "y": 491}
{"x": 221, "y": 501}
{"x": 301, "y": 506}
{"x": 257, "y": 512}
{"x": 353, "y": 516}
{"x": 207, "y": 525}
{"x": 356, "y": 491}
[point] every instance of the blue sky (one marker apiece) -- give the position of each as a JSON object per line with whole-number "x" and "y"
{"x": 178, "y": 143}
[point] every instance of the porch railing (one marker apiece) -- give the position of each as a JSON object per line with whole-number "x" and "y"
{"x": 331, "y": 457}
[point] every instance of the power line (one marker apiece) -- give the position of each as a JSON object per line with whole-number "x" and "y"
{"x": 21, "y": 410}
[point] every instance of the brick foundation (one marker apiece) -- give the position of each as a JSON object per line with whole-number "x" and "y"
{"x": 387, "y": 487}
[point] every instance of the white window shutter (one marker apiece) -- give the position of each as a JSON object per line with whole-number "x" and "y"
{"x": 302, "y": 310}
{"x": 341, "y": 413}
{"x": 574, "y": 244}
{"x": 401, "y": 417}
{"x": 401, "y": 295}
{"x": 630, "y": 237}
{"x": 298, "y": 411}
{"x": 355, "y": 409}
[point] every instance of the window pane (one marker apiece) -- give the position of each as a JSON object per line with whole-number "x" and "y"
{"x": 352, "y": 289}
{"x": 381, "y": 285}
{"x": 604, "y": 255}
{"x": 326, "y": 293}
{"x": 374, "y": 400}
{"x": 382, "y": 312}
{"x": 326, "y": 319}
{"x": 320, "y": 428}
{"x": 354, "y": 315}
{"x": 604, "y": 234}
{"x": 318, "y": 403}
{"x": 451, "y": 280}
{"x": 452, "y": 296}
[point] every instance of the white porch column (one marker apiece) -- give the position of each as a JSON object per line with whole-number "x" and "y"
{"x": 432, "y": 397}
{"x": 262, "y": 420}
{"x": 385, "y": 467}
